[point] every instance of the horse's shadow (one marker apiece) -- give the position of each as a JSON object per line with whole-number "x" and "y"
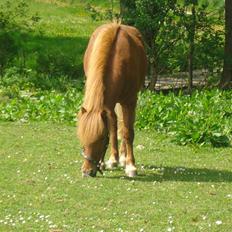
{"x": 150, "y": 173}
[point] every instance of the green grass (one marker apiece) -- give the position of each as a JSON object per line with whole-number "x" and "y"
{"x": 59, "y": 38}
{"x": 177, "y": 189}
{"x": 63, "y": 21}
{"x": 65, "y": 31}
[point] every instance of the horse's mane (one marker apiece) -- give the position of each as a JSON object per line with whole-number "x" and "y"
{"x": 91, "y": 125}
{"x": 90, "y": 128}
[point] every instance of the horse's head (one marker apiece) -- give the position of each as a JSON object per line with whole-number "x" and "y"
{"x": 93, "y": 135}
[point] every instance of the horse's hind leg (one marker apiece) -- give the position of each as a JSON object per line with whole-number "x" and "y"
{"x": 128, "y": 137}
{"x": 122, "y": 150}
{"x": 113, "y": 160}
{"x": 122, "y": 153}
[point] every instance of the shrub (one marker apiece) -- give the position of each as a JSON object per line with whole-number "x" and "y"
{"x": 8, "y": 49}
{"x": 15, "y": 20}
{"x": 24, "y": 99}
{"x": 56, "y": 64}
{"x": 202, "y": 118}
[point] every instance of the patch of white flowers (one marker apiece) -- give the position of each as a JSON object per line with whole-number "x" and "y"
{"x": 21, "y": 219}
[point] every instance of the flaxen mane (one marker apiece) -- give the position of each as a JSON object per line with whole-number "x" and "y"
{"x": 91, "y": 125}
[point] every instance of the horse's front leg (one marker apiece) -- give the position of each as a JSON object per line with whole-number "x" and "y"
{"x": 102, "y": 163}
{"x": 112, "y": 124}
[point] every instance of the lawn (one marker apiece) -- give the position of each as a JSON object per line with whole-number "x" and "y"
{"x": 178, "y": 188}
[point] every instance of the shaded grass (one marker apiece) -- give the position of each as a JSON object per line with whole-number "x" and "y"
{"x": 188, "y": 188}
{"x": 51, "y": 49}
{"x": 61, "y": 33}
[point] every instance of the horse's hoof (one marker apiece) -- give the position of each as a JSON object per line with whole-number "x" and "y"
{"x": 131, "y": 171}
{"x": 111, "y": 164}
{"x": 122, "y": 161}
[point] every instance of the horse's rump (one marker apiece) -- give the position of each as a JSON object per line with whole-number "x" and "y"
{"x": 115, "y": 66}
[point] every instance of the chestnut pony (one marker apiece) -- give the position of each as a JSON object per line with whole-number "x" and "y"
{"x": 115, "y": 67}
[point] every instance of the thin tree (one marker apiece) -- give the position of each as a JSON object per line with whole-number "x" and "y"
{"x": 192, "y": 33}
{"x": 226, "y": 80}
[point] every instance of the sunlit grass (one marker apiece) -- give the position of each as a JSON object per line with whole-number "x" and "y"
{"x": 63, "y": 30}
{"x": 177, "y": 189}
{"x": 60, "y": 18}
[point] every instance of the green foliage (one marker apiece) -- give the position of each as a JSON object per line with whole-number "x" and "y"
{"x": 8, "y": 49}
{"x": 102, "y": 14}
{"x": 167, "y": 27}
{"x": 21, "y": 99}
{"x": 15, "y": 20}
{"x": 54, "y": 64}
{"x": 15, "y": 15}
{"x": 203, "y": 28}
{"x": 40, "y": 106}
{"x": 202, "y": 118}
{"x": 48, "y": 38}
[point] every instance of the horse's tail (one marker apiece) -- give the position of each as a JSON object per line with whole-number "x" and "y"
{"x": 99, "y": 56}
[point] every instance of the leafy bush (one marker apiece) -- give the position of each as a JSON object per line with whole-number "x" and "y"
{"x": 40, "y": 106}
{"x": 202, "y": 118}
{"x": 55, "y": 64}
{"x": 22, "y": 100}
{"x": 15, "y": 20}
{"x": 8, "y": 49}
{"x": 99, "y": 15}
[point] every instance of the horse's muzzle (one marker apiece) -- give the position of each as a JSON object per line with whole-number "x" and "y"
{"x": 90, "y": 173}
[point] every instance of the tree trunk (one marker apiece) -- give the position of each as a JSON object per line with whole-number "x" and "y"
{"x": 226, "y": 80}
{"x": 152, "y": 62}
{"x": 191, "y": 48}
{"x": 153, "y": 74}
{"x": 190, "y": 68}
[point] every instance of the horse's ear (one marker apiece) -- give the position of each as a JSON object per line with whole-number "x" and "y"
{"x": 83, "y": 110}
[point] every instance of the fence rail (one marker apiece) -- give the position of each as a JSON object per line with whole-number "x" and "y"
{"x": 179, "y": 80}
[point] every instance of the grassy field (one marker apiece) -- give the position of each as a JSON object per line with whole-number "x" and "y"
{"x": 177, "y": 189}
{"x": 41, "y": 189}
{"x": 59, "y": 38}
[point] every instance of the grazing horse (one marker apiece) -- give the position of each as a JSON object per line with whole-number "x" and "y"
{"x": 115, "y": 67}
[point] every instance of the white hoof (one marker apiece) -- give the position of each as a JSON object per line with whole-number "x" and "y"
{"x": 110, "y": 164}
{"x": 102, "y": 166}
{"x": 122, "y": 161}
{"x": 131, "y": 170}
